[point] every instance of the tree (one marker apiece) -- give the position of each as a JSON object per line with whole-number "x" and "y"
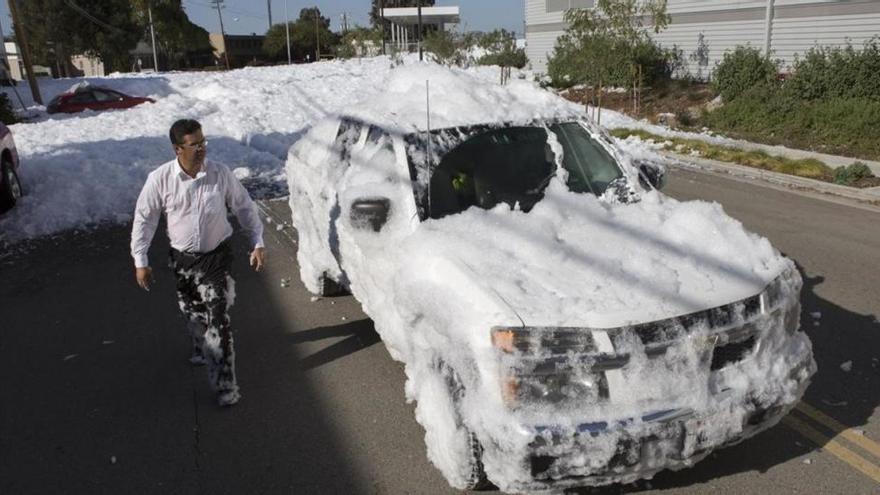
{"x": 446, "y": 48}
{"x": 611, "y": 44}
{"x": 500, "y": 49}
{"x": 180, "y": 42}
{"x": 360, "y": 42}
{"x": 60, "y": 28}
{"x": 303, "y": 41}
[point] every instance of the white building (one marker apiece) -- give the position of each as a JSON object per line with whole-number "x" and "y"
{"x": 782, "y": 27}
{"x": 16, "y": 63}
{"x": 89, "y": 66}
{"x": 405, "y": 20}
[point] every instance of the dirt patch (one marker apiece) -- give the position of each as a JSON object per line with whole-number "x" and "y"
{"x": 676, "y": 104}
{"x": 866, "y": 182}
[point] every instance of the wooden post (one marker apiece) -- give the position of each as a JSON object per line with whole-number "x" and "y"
{"x": 218, "y": 4}
{"x": 382, "y": 23}
{"x": 421, "y": 56}
{"x": 317, "y": 37}
{"x": 21, "y": 39}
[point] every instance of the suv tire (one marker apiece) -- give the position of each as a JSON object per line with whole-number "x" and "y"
{"x": 10, "y": 187}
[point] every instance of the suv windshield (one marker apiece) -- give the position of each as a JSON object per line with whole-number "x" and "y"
{"x": 514, "y": 165}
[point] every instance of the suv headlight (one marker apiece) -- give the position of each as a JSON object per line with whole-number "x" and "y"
{"x": 552, "y": 365}
{"x": 778, "y": 292}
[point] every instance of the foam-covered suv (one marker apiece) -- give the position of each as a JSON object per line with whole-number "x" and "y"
{"x": 562, "y": 322}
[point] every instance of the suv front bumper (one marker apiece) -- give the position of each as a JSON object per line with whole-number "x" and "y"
{"x": 624, "y": 451}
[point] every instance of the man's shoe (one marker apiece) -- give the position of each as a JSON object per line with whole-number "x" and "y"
{"x": 228, "y": 398}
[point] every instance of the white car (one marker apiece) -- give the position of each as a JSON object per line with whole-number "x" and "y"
{"x": 562, "y": 322}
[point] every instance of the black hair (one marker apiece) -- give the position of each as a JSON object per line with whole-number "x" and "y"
{"x": 181, "y": 128}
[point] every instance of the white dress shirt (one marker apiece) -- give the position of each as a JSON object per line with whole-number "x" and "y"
{"x": 195, "y": 210}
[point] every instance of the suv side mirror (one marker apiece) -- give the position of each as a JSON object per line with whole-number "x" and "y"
{"x": 370, "y": 213}
{"x": 651, "y": 174}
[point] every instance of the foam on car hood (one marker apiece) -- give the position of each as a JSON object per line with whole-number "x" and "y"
{"x": 575, "y": 260}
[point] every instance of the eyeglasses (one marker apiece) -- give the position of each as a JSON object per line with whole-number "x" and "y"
{"x": 203, "y": 144}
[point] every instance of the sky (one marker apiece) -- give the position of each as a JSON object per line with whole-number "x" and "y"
{"x": 251, "y": 16}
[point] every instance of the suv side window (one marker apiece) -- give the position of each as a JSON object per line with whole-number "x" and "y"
{"x": 347, "y": 136}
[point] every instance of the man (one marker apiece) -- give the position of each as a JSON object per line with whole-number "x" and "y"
{"x": 194, "y": 194}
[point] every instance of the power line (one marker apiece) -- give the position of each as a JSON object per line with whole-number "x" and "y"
{"x": 81, "y": 11}
{"x": 234, "y": 11}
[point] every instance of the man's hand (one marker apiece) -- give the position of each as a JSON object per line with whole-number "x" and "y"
{"x": 144, "y": 277}
{"x": 258, "y": 257}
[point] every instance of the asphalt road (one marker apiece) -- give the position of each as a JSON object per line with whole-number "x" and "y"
{"x": 96, "y": 394}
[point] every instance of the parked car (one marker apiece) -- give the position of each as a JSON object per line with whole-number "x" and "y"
{"x": 87, "y": 97}
{"x": 562, "y": 322}
{"x": 10, "y": 185}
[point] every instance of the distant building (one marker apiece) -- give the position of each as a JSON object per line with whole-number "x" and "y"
{"x": 88, "y": 66}
{"x": 242, "y": 49}
{"x": 16, "y": 64}
{"x": 404, "y": 23}
{"x": 705, "y": 30}
{"x": 142, "y": 58}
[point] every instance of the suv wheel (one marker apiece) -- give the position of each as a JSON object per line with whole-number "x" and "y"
{"x": 476, "y": 478}
{"x": 477, "y": 481}
{"x": 10, "y": 187}
{"x": 331, "y": 288}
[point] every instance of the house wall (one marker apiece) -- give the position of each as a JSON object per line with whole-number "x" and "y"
{"x": 796, "y": 25}
{"x": 90, "y": 66}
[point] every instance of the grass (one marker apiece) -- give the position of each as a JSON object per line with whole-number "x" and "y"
{"x": 841, "y": 126}
{"x": 807, "y": 167}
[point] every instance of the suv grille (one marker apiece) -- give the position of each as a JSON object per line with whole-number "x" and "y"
{"x": 731, "y": 353}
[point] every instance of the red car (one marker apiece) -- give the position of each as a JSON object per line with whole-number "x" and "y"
{"x": 93, "y": 98}
{"x": 10, "y": 186}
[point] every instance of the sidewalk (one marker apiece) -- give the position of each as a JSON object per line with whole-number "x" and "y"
{"x": 869, "y": 195}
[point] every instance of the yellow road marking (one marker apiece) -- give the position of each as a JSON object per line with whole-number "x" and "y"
{"x": 839, "y": 428}
{"x": 833, "y": 447}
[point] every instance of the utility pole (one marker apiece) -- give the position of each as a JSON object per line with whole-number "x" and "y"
{"x": 317, "y": 36}
{"x": 287, "y": 30}
{"x": 269, "y": 6}
{"x": 218, "y": 4}
{"x": 153, "y": 37}
{"x": 382, "y": 23}
{"x": 421, "y": 55}
{"x": 21, "y": 40}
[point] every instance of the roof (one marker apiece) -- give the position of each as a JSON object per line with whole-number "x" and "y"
{"x": 458, "y": 97}
{"x": 430, "y": 15}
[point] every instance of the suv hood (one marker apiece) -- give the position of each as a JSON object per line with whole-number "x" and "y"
{"x": 575, "y": 260}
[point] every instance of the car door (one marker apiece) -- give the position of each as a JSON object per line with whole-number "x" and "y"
{"x": 106, "y": 99}
{"x": 80, "y": 101}
{"x": 376, "y": 205}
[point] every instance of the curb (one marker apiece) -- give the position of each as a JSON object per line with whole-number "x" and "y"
{"x": 830, "y": 160}
{"x": 869, "y": 195}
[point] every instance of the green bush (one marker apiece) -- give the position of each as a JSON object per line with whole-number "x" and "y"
{"x": 359, "y": 42}
{"x": 774, "y": 115}
{"x": 834, "y": 72}
{"x": 446, "y": 48}
{"x": 573, "y": 62}
{"x": 742, "y": 69}
{"x": 7, "y": 114}
{"x": 848, "y": 175}
{"x": 500, "y": 49}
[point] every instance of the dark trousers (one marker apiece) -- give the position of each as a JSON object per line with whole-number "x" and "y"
{"x": 205, "y": 292}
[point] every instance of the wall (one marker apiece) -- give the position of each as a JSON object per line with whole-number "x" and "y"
{"x": 797, "y": 25}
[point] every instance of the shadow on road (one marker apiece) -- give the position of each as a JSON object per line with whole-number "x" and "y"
{"x": 97, "y": 396}
{"x": 359, "y": 335}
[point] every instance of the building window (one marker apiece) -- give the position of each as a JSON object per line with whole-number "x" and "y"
{"x": 563, "y": 5}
